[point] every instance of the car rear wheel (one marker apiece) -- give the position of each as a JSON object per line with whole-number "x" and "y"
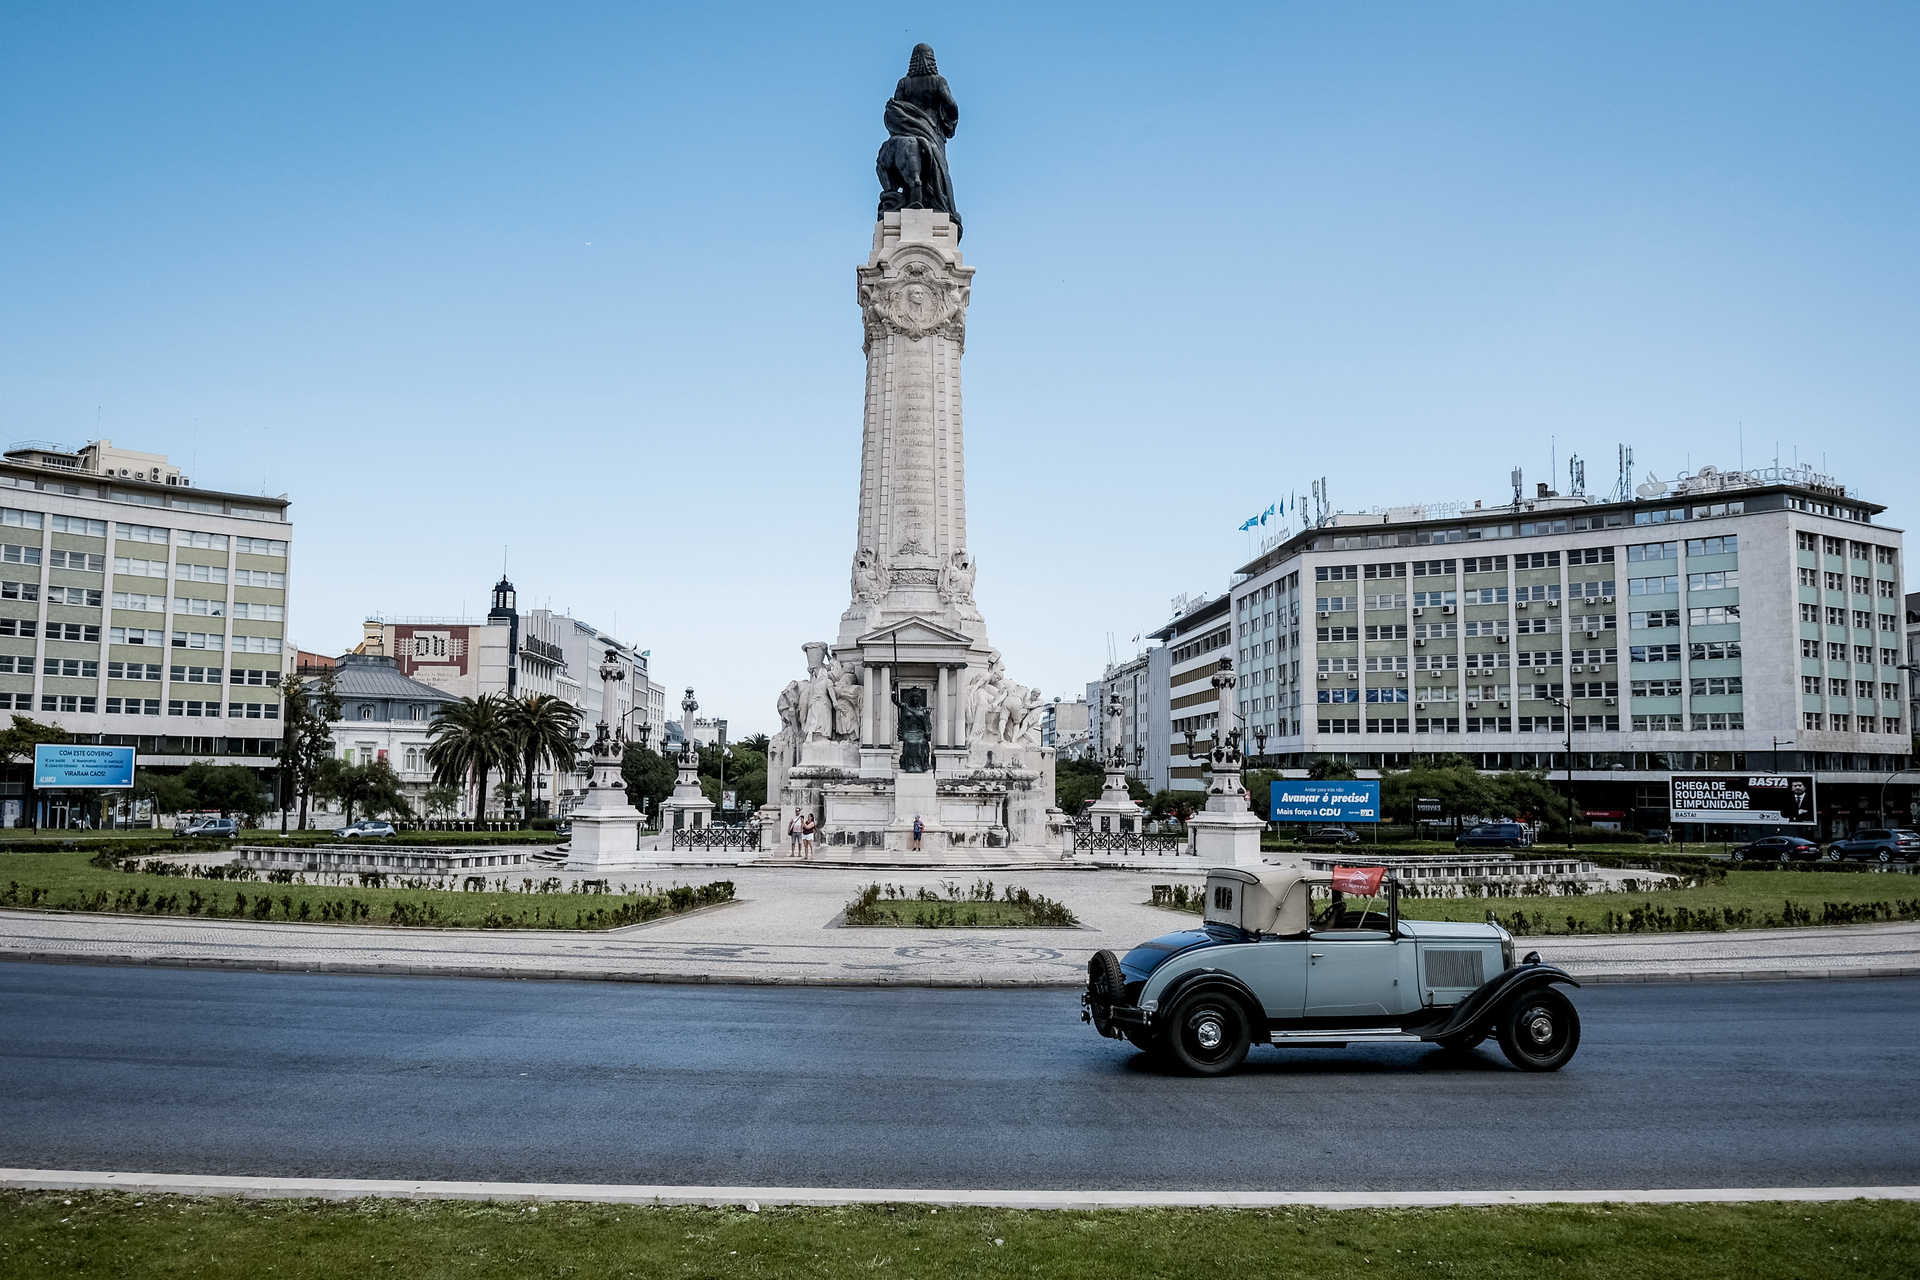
{"x": 1539, "y": 1030}
{"x": 1105, "y": 986}
{"x": 1208, "y": 1034}
{"x": 1884, "y": 856}
{"x": 1833, "y": 855}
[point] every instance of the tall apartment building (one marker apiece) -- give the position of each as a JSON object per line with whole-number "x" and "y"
{"x": 1733, "y": 623}
{"x": 137, "y": 610}
{"x": 1183, "y": 665}
{"x": 1063, "y": 726}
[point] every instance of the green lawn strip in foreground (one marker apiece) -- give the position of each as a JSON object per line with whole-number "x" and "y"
{"x": 1739, "y": 900}
{"x": 69, "y": 882}
{"x": 893, "y": 906}
{"x": 52, "y": 1235}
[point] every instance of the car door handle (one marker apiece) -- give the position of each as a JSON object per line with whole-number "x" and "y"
{"x": 1315, "y": 955}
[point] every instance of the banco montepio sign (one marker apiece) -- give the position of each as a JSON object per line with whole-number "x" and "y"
{"x": 1751, "y": 799}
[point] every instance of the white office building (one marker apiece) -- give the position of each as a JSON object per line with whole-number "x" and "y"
{"x": 1735, "y": 621}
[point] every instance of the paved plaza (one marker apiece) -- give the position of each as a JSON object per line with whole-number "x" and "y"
{"x": 784, "y": 928}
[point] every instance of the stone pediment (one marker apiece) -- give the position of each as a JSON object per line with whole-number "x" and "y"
{"x": 915, "y": 639}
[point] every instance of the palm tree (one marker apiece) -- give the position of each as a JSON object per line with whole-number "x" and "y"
{"x": 470, "y": 739}
{"x": 543, "y": 729}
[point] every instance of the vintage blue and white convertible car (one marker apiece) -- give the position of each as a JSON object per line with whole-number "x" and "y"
{"x": 1283, "y": 958}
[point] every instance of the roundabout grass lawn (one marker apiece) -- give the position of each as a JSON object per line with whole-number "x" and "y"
{"x": 1739, "y": 900}
{"x": 53, "y": 1235}
{"x": 70, "y": 882}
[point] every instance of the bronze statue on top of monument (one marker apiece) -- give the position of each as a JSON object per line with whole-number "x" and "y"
{"x": 912, "y": 163}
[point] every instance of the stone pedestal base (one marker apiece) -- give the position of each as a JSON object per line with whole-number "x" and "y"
{"x": 1226, "y": 839}
{"x": 1116, "y": 809}
{"x": 914, "y": 793}
{"x": 604, "y": 840}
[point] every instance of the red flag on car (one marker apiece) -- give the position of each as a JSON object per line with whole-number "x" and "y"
{"x": 1364, "y": 880}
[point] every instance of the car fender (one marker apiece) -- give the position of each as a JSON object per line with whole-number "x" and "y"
{"x": 1477, "y": 1008}
{"x": 1207, "y": 979}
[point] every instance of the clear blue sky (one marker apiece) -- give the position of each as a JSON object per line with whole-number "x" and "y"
{"x": 578, "y": 279}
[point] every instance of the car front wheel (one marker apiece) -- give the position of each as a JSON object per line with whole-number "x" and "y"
{"x": 1884, "y": 856}
{"x": 1539, "y": 1030}
{"x": 1208, "y": 1034}
{"x": 1833, "y": 855}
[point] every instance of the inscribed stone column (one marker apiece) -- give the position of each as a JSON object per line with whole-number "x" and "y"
{"x": 883, "y": 736}
{"x": 866, "y": 705}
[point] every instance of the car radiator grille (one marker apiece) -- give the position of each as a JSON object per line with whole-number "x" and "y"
{"x": 1453, "y": 969}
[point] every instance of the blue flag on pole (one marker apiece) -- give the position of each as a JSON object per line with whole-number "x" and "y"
{"x": 1266, "y": 513}
{"x": 1250, "y": 523}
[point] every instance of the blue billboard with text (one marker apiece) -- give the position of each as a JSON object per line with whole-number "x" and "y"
{"x": 1323, "y": 801}
{"x": 67, "y": 764}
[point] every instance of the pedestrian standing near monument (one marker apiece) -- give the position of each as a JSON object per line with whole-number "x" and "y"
{"x": 919, "y": 829}
{"x": 806, "y": 837}
{"x": 793, "y": 834}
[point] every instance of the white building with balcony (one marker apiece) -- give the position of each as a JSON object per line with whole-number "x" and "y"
{"x": 386, "y": 716}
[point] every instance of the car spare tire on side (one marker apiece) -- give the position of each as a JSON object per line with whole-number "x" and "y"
{"x": 1105, "y": 987}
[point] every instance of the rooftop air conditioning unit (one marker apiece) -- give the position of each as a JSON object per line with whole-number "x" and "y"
{"x": 1353, "y": 675}
{"x": 1499, "y": 639}
{"x": 1399, "y": 675}
{"x": 1419, "y": 644}
{"x": 1606, "y": 599}
{"x": 1448, "y": 609}
{"x": 1521, "y": 605}
{"x": 1323, "y": 675}
{"x": 1553, "y": 604}
{"x": 1323, "y": 613}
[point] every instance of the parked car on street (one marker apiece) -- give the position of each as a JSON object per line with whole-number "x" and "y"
{"x": 1876, "y": 844}
{"x": 1283, "y": 959}
{"x": 1777, "y": 849}
{"x": 1493, "y": 835}
{"x": 1657, "y": 835}
{"x": 366, "y": 827}
{"x": 209, "y": 827}
{"x": 1331, "y": 835}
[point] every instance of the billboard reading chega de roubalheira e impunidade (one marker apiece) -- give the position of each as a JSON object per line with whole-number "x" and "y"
{"x": 1745, "y": 799}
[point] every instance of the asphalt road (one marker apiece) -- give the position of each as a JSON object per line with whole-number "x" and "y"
{"x": 176, "y": 1071}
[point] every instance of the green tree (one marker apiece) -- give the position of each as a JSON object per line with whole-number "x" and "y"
{"x": 1461, "y": 789}
{"x": 1075, "y": 782}
{"x": 1330, "y": 769}
{"x": 1528, "y": 795}
{"x": 470, "y": 741}
{"x": 440, "y": 799}
{"x": 231, "y": 790}
{"x": 543, "y": 729}
{"x": 372, "y": 788}
{"x": 648, "y": 775}
{"x": 1176, "y": 804}
{"x": 18, "y": 740}
{"x": 308, "y": 710}
{"x": 164, "y": 790}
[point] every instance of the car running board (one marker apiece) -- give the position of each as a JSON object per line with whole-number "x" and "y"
{"x": 1356, "y": 1035}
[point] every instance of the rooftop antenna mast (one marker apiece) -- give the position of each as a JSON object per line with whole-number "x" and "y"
{"x": 1623, "y": 487}
{"x": 1576, "y": 477}
{"x": 1516, "y": 479}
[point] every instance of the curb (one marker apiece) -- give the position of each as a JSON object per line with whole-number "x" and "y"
{"x": 534, "y": 974}
{"x": 753, "y": 1198}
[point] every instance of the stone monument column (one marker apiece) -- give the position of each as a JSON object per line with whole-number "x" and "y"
{"x": 1226, "y": 832}
{"x": 606, "y": 828}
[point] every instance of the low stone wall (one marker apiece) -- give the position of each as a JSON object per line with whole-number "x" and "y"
{"x": 1449, "y": 876}
{"x": 402, "y": 860}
